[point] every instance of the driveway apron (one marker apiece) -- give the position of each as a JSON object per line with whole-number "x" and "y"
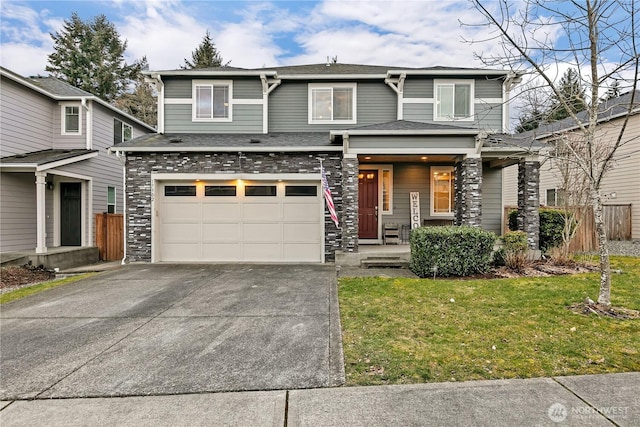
{"x": 168, "y": 329}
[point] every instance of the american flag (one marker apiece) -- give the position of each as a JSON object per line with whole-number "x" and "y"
{"x": 327, "y": 196}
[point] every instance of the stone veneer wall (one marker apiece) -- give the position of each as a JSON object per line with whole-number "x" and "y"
{"x": 349, "y": 219}
{"x": 529, "y": 201}
{"x": 468, "y": 192}
{"x": 140, "y": 166}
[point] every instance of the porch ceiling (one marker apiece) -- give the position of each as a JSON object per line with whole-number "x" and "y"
{"x": 406, "y": 158}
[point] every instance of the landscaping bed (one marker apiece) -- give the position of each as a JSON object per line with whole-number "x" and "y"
{"x": 14, "y": 277}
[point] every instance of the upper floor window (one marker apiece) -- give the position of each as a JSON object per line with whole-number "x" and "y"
{"x": 442, "y": 191}
{"x": 121, "y": 131}
{"x": 332, "y": 103}
{"x": 212, "y": 100}
{"x": 71, "y": 119}
{"x": 111, "y": 200}
{"x": 454, "y": 100}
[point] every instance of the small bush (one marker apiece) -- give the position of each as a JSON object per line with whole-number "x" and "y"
{"x": 551, "y": 227}
{"x": 515, "y": 249}
{"x": 454, "y": 251}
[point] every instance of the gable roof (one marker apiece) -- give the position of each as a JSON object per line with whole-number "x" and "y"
{"x": 59, "y": 90}
{"x": 46, "y": 159}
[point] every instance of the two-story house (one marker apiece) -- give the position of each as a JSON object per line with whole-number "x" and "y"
{"x": 234, "y": 172}
{"x": 56, "y": 172}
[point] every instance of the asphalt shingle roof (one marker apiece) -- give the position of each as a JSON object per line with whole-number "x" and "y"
{"x": 410, "y": 125}
{"x": 58, "y": 87}
{"x": 43, "y": 157}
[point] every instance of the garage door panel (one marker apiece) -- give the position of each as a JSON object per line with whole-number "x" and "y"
{"x": 221, "y": 232}
{"x": 221, "y": 251}
{"x": 301, "y": 252}
{"x": 301, "y": 232}
{"x": 260, "y": 211}
{"x": 181, "y": 252}
{"x": 223, "y": 211}
{"x": 301, "y": 211}
{"x": 184, "y": 211}
{"x": 181, "y": 233}
{"x": 262, "y": 252}
{"x": 261, "y": 232}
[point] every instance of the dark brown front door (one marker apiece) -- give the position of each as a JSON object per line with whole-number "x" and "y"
{"x": 368, "y": 204}
{"x": 70, "y": 214}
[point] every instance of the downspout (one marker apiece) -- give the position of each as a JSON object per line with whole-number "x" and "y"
{"x": 510, "y": 81}
{"x": 398, "y": 87}
{"x": 156, "y": 80}
{"x": 123, "y": 161}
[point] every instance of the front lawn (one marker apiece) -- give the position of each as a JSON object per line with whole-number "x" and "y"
{"x": 398, "y": 331}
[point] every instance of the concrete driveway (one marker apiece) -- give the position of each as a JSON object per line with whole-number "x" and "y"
{"x": 167, "y": 329}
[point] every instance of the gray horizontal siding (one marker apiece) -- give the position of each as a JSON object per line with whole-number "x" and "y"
{"x": 246, "y": 119}
{"x": 18, "y": 211}
{"x": 289, "y": 106}
{"x": 485, "y": 88}
{"x": 416, "y": 142}
{"x": 492, "y": 199}
{"x": 418, "y": 112}
{"x": 242, "y": 88}
{"x": 408, "y": 177}
{"x": 488, "y": 116}
{"x": 418, "y": 88}
{"x": 26, "y": 119}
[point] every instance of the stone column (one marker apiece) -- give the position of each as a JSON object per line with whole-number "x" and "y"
{"x": 529, "y": 201}
{"x": 349, "y": 219}
{"x": 469, "y": 192}
{"x": 457, "y": 188}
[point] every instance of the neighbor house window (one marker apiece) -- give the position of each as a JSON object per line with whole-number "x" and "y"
{"x": 71, "y": 120}
{"x": 442, "y": 192}
{"x": 212, "y": 100}
{"x": 121, "y": 131}
{"x": 111, "y": 200}
{"x": 334, "y": 103}
{"x": 454, "y": 100}
{"x": 555, "y": 197}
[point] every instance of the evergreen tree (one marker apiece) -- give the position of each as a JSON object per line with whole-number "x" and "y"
{"x": 90, "y": 56}
{"x": 572, "y": 92}
{"x": 206, "y": 55}
{"x": 530, "y": 121}
{"x": 141, "y": 101}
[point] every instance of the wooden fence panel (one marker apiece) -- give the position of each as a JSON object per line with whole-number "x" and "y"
{"x": 110, "y": 236}
{"x": 617, "y": 221}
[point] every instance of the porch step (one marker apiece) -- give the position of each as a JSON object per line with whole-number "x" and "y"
{"x": 384, "y": 262}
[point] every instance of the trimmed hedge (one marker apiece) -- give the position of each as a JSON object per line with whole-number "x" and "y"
{"x": 551, "y": 226}
{"x": 455, "y": 251}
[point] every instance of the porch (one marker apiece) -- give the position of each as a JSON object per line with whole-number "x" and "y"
{"x": 61, "y": 257}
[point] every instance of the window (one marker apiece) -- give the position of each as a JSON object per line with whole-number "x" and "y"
{"x": 179, "y": 190}
{"x": 334, "y": 103}
{"x": 386, "y": 191}
{"x": 121, "y": 131}
{"x": 454, "y": 100}
{"x": 442, "y": 192}
{"x": 71, "y": 120}
{"x": 260, "y": 190}
{"x": 301, "y": 190}
{"x": 219, "y": 190}
{"x": 211, "y": 100}
{"x": 555, "y": 197}
{"x": 111, "y": 200}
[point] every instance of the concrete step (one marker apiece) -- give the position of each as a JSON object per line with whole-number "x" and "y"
{"x": 390, "y": 262}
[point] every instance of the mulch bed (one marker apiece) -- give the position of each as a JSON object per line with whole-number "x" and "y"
{"x": 16, "y": 277}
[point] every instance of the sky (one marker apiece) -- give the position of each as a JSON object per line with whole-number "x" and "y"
{"x": 254, "y": 34}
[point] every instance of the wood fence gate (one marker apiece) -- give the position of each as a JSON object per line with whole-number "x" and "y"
{"x": 110, "y": 236}
{"x": 617, "y": 220}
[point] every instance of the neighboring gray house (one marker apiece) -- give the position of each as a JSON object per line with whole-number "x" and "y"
{"x": 621, "y": 184}
{"x": 56, "y": 172}
{"x": 233, "y": 173}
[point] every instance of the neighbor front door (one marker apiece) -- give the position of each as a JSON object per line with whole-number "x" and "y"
{"x": 70, "y": 214}
{"x": 368, "y": 204}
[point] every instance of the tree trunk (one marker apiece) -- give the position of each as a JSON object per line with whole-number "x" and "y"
{"x": 604, "y": 297}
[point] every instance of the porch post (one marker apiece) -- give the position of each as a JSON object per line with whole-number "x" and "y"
{"x": 41, "y": 218}
{"x": 529, "y": 200}
{"x": 468, "y": 189}
{"x": 349, "y": 218}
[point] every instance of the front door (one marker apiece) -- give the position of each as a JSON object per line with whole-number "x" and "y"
{"x": 70, "y": 214}
{"x": 368, "y": 204}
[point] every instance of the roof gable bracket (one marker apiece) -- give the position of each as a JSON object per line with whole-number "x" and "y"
{"x": 397, "y": 84}
{"x": 268, "y": 85}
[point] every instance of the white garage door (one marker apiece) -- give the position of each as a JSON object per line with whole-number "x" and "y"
{"x": 240, "y": 221}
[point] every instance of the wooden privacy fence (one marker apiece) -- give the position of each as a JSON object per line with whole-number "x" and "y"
{"x": 110, "y": 236}
{"x": 617, "y": 220}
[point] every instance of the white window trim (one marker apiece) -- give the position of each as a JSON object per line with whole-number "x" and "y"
{"x": 433, "y": 169}
{"x": 211, "y": 83}
{"x": 439, "y": 82}
{"x": 63, "y": 117}
{"x": 314, "y": 86}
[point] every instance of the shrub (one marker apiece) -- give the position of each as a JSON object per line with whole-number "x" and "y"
{"x": 551, "y": 227}
{"x": 515, "y": 248}
{"x": 454, "y": 251}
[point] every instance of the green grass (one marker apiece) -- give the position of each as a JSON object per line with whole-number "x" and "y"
{"x": 398, "y": 331}
{"x": 34, "y": 289}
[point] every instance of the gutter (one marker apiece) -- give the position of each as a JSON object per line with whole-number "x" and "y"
{"x": 245, "y": 149}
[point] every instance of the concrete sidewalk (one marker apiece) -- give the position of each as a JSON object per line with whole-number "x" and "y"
{"x": 590, "y": 400}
